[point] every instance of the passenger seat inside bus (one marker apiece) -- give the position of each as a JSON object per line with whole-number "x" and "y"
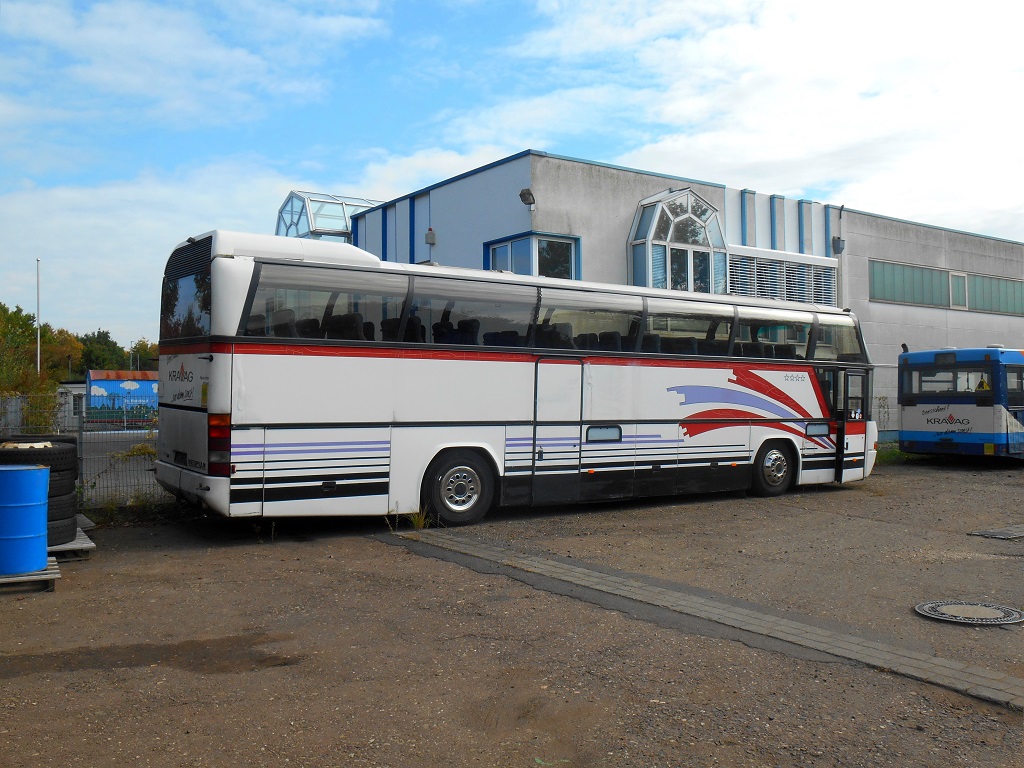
{"x": 555, "y": 336}
{"x": 679, "y": 345}
{"x": 308, "y": 328}
{"x": 283, "y": 321}
{"x": 256, "y": 325}
{"x": 469, "y": 331}
{"x": 349, "y": 326}
{"x": 414, "y": 330}
{"x": 610, "y": 341}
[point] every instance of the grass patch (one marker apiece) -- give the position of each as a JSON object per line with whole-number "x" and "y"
{"x": 889, "y": 454}
{"x": 142, "y": 510}
{"x": 418, "y": 520}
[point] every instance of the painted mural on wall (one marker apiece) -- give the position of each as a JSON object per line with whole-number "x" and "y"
{"x": 121, "y": 390}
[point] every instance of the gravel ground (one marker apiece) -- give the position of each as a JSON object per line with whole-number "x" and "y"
{"x": 209, "y": 642}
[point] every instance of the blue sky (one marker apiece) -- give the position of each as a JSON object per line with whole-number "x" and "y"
{"x": 127, "y": 125}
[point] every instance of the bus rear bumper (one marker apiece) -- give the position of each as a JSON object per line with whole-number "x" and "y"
{"x": 946, "y": 447}
{"x": 211, "y": 493}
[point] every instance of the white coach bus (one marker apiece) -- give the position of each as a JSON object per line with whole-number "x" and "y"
{"x": 300, "y": 377}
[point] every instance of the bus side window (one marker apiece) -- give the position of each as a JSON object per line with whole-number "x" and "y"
{"x": 1015, "y": 387}
{"x": 826, "y": 382}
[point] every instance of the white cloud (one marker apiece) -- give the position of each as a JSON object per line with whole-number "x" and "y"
{"x": 386, "y": 175}
{"x": 887, "y": 108}
{"x": 103, "y": 248}
{"x": 184, "y": 62}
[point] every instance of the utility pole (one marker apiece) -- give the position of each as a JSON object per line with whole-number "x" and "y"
{"x": 38, "y": 324}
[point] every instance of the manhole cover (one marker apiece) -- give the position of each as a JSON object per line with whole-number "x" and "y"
{"x": 969, "y": 613}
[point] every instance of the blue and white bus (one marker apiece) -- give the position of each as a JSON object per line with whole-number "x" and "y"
{"x": 962, "y": 401}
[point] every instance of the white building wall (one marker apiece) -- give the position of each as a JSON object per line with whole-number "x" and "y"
{"x": 886, "y": 326}
{"x": 475, "y": 209}
{"x": 596, "y": 203}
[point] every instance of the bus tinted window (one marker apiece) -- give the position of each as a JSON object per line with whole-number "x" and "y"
{"x": 312, "y": 302}
{"x": 584, "y": 320}
{"x": 185, "y": 306}
{"x": 1015, "y": 386}
{"x": 838, "y": 340}
{"x": 470, "y": 312}
{"x": 771, "y": 333}
{"x": 690, "y": 328}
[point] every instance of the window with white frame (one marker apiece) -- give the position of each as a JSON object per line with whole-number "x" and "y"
{"x": 677, "y": 243}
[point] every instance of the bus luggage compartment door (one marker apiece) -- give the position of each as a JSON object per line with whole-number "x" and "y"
{"x": 558, "y": 415}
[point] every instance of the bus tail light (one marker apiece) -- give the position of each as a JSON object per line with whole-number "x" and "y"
{"x": 218, "y": 443}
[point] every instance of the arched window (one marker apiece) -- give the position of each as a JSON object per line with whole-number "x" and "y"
{"x": 677, "y": 243}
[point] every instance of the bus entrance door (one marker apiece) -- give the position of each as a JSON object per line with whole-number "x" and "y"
{"x": 1015, "y": 431}
{"x": 558, "y": 413}
{"x": 851, "y": 422}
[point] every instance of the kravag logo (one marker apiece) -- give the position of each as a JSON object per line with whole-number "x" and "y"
{"x": 180, "y": 375}
{"x": 950, "y": 419}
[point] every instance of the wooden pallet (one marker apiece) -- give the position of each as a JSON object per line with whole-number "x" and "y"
{"x": 85, "y": 523}
{"x": 48, "y": 576}
{"x": 78, "y": 549}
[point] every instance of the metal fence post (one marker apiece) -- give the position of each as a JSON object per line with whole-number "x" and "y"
{"x": 80, "y": 402}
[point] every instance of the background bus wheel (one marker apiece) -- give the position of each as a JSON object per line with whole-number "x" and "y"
{"x": 460, "y": 488}
{"x": 773, "y": 470}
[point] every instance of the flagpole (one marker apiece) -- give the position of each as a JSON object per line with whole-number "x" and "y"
{"x": 38, "y": 323}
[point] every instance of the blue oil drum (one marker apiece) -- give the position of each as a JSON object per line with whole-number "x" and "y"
{"x": 23, "y": 494}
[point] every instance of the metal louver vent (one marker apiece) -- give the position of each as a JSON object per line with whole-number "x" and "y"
{"x": 770, "y": 282}
{"x": 191, "y": 259}
{"x": 825, "y": 286}
{"x": 742, "y": 276}
{"x": 780, "y": 279}
{"x": 798, "y": 282}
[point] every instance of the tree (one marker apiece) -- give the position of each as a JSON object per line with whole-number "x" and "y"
{"x": 102, "y": 353}
{"x": 144, "y": 355}
{"x": 17, "y": 350}
{"x": 61, "y": 353}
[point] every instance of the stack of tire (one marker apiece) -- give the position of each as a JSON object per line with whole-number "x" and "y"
{"x": 60, "y": 454}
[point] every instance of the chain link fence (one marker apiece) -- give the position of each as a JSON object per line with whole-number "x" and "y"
{"x": 116, "y": 446}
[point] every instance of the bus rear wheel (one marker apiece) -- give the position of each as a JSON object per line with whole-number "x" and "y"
{"x": 460, "y": 488}
{"x": 773, "y": 470}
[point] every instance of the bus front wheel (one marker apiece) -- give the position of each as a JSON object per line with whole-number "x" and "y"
{"x": 773, "y": 470}
{"x": 459, "y": 488}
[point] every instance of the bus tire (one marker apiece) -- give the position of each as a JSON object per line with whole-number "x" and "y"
{"x": 774, "y": 469}
{"x": 459, "y": 488}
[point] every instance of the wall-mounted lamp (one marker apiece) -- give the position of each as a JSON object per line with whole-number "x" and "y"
{"x": 838, "y": 244}
{"x": 430, "y": 237}
{"x": 528, "y": 199}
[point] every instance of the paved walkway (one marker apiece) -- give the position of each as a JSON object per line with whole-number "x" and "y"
{"x": 972, "y": 680}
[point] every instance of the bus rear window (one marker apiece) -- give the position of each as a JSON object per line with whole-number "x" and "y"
{"x": 952, "y": 380}
{"x": 185, "y": 306}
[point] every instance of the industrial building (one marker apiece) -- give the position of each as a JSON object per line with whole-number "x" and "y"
{"x": 537, "y": 213}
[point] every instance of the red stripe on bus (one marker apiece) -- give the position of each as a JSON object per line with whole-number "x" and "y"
{"x": 411, "y": 353}
{"x": 195, "y": 348}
